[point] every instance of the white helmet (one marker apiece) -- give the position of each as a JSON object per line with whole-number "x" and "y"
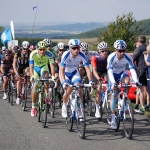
{"x": 48, "y": 42}
{"x": 102, "y": 45}
{"x": 74, "y": 42}
{"x": 120, "y": 45}
{"x": 60, "y": 45}
{"x": 3, "y": 48}
{"x": 84, "y": 46}
{"x": 25, "y": 44}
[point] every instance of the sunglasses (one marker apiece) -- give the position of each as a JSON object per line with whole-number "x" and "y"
{"x": 74, "y": 48}
{"x": 61, "y": 50}
{"x": 42, "y": 49}
{"x": 7, "y": 55}
{"x": 104, "y": 51}
{"x": 122, "y": 51}
{"x": 25, "y": 49}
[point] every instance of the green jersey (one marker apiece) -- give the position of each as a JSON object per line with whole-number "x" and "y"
{"x": 41, "y": 61}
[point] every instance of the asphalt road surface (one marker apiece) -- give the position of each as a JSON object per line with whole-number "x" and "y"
{"x": 20, "y": 131}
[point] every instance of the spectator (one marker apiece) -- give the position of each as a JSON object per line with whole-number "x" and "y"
{"x": 147, "y": 61}
{"x": 141, "y": 69}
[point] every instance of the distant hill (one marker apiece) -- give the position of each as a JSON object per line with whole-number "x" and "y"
{"x": 145, "y": 25}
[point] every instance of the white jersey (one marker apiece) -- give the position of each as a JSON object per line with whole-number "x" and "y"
{"x": 71, "y": 64}
{"x": 118, "y": 66}
{"x": 89, "y": 56}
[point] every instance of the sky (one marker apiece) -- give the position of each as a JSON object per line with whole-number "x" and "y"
{"x": 81, "y": 11}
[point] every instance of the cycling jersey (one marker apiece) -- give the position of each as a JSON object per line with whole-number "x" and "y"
{"x": 99, "y": 63}
{"x": 116, "y": 66}
{"x": 7, "y": 63}
{"x": 89, "y": 56}
{"x": 39, "y": 61}
{"x": 70, "y": 63}
{"x": 55, "y": 55}
{"x": 22, "y": 59}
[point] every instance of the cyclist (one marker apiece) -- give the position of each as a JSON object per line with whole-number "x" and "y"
{"x": 84, "y": 49}
{"x": 1, "y": 57}
{"x": 38, "y": 63}
{"x": 32, "y": 48}
{"x": 60, "y": 50}
{"x": 69, "y": 70}
{"x": 20, "y": 63}
{"x": 99, "y": 66}
{"x": 6, "y": 67}
{"x": 49, "y": 47}
{"x": 117, "y": 62}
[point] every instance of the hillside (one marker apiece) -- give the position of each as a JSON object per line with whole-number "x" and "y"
{"x": 144, "y": 24}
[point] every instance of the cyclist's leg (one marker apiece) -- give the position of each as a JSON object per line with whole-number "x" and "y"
{"x": 27, "y": 71}
{"x": 5, "y": 83}
{"x": 34, "y": 92}
{"x": 65, "y": 97}
{"x": 76, "y": 80}
{"x": 12, "y": 77}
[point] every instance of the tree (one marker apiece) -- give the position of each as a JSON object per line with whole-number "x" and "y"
{"x": 1, "y": 30}
{"x": 121, "y": 29}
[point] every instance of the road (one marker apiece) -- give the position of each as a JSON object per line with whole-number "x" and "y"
{"x": 20, "y": 131}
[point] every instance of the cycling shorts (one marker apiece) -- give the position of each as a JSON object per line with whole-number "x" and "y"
{"x": 39, "y": 71}
{"x": 72, "y": 78}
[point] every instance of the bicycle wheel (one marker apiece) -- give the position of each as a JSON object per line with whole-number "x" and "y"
{"x": 107, "y": 108}
{"x": 81, "y": 121}
{"x": 128, "y": 119}
{"x": 44, "y": 111}
{"x": 88, "y": 101}
{"x": 52, "y": 105}
{"x": 24, "y": 97}
{"x": 11, "y": 95}
{"x": 9, "y": 91}
{"x": 69, "y": 120}
{"x": 39, "y": 110}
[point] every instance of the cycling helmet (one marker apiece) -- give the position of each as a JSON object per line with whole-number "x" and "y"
{"x": 41, "y": 45}
{"x": 25, "y": 44}
{"x": 32, "y": 47}
{"x": 48, "y": 42}
{"x": 120, "y": 45}
{"x": 7, "y": 51}
{"x": 74, "y": 42}
{"x": 15, "y": 47}
{"x": 60, "y": 45}
{"x": 3, "y": 48}
{"x": 84, "y": 46}
{"x": 102, "y": 45}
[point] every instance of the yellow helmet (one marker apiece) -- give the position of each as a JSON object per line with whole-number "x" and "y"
{"x": 41, "y": 45}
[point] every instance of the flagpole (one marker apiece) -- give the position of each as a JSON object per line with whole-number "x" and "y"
{"x": 34, "y": 22}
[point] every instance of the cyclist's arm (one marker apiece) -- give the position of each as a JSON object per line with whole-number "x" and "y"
{"x": 62, "y": 73}
{"x": 88, "y": 71}
{"x": 2, "y": 67}
{"x": 94, "y": 66}
{"x": 52, "y": 69}
{"x": 15, "y": 65}
{"x": 31, "y": 66}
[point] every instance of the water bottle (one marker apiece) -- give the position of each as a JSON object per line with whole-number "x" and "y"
{"x": 73, "y": 115}
{"x": 102, "y": 96}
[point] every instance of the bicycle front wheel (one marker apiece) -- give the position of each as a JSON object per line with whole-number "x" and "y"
{"x": 128, "y": 119}
{"x": 69, "y": 120}
{"x": 24, "y": 98}
{"x": 44, "y": 115}
{"x": 81, "y": 121}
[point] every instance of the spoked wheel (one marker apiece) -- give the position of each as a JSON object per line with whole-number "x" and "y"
{"x": 88, "y": 101}
{"x": 69, "y": 120}
{"x": 52, "y": 105}
{"x": 44, "y": 115}
{"x": 128, "y": 119}
{"x": 107, "y": 109}
{"x": 9, "y": 91}
{"x": 24, "y": 98}
{"x": 39, "y": 112}
{"x": 117, "y": 119}
{"x": 11, "y": 95}
{"x": 81, "y": 121}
